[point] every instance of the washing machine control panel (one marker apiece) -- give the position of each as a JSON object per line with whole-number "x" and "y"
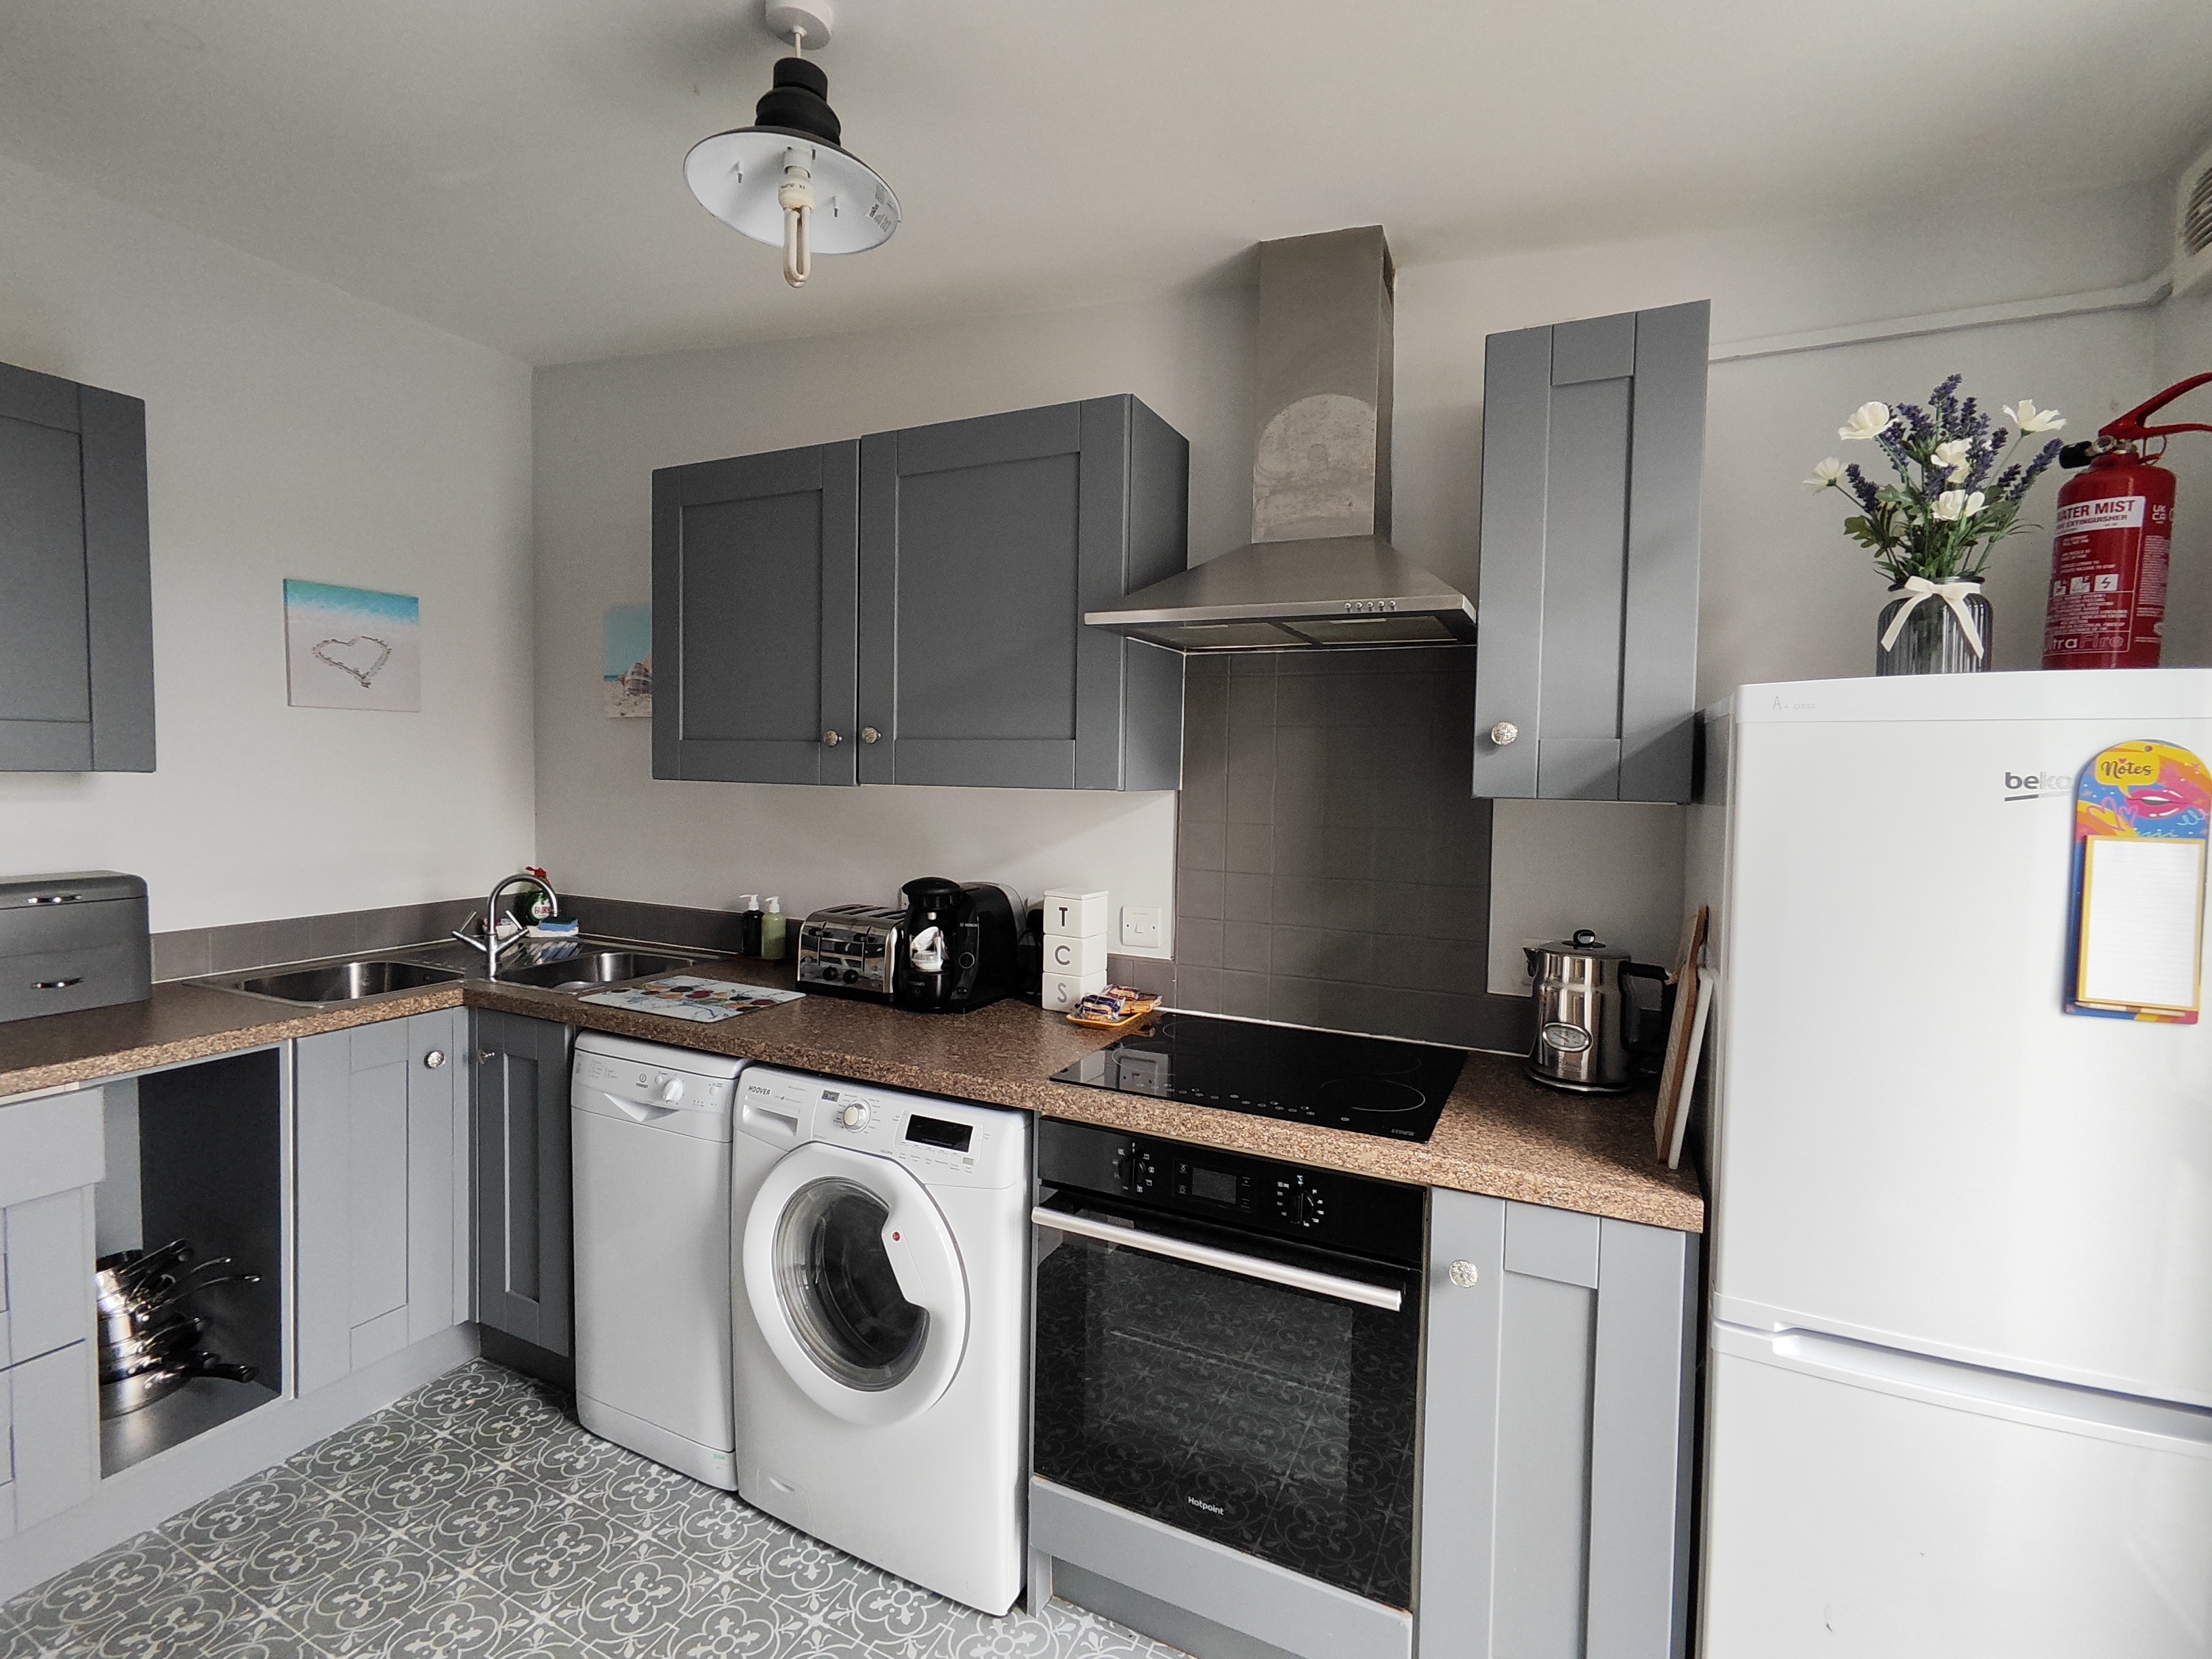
{"x": 945, "y": 1142}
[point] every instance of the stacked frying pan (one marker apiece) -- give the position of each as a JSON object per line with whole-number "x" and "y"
{"x": 149, "y": 1346}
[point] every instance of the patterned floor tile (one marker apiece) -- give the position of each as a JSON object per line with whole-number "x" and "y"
{"x": 477, "y": 1519}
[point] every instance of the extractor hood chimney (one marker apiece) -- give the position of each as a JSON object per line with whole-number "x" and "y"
{"x": 1320, "y": 568}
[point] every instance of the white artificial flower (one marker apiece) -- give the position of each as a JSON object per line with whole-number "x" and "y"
{"x": 1958, "y": 504}
{"x": 2029, "y": 418}
{"x": 1867, "y": 420}
{"x": 1953, "y": 458}
{"x": 1825, "y": 474}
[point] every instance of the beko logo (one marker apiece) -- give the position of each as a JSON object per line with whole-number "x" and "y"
{"x": 2037, "y": 786}
{"x": 1201, "y": 1503}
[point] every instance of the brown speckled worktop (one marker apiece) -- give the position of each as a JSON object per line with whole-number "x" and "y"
{"x": 1500, "y": 1133}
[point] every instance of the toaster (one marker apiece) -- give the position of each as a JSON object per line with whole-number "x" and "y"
{"x": 850, "y": 949}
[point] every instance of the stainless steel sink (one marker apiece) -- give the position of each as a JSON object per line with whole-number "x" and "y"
{"x": 591, "y": 968}
{"x": 344, "y": 981}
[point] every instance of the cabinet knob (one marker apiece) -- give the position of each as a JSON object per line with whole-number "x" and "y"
{"x": 485, "y": 1056}
{"x": 1504, "y": 733}
{"x": 1463, "y": 1274}
{"x": 831, "y": 739}
{"x": 434, "y": 1059}
{"x": 869, "y": 734}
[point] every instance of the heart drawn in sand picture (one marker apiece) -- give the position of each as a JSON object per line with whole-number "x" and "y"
{"x": 363, "y": 657}
{"x": 352, "y": 647}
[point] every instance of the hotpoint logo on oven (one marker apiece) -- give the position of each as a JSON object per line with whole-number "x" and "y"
{"x": 1201, "y": 1503}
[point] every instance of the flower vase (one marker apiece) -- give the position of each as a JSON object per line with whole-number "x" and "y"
{"x": 1931, "y": 641}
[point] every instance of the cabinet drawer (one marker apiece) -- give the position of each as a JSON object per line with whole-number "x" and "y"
{"x": 49, "y": 1407}
{"x": 50, "y": 1144}
{"x": 63, "y": 981}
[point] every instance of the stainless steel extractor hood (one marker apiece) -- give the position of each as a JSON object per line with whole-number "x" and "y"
{"x": 1319, "y": 570}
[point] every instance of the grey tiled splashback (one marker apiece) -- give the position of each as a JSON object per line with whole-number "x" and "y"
{"x": 1333, "y": 868}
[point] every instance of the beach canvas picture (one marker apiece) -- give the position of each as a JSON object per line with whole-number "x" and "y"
{"x": 627, "y": 680}
{"x": 352, "y": 647}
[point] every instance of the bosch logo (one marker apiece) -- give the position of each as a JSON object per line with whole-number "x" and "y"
{"x": 1368, "y": 607}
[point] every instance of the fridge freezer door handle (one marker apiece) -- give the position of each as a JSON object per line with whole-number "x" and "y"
{"x": 2123, "y": 1419}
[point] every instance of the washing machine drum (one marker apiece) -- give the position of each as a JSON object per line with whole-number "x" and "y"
{"x": 855, "y": 1283}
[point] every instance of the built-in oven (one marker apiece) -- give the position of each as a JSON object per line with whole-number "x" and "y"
{"x": 1231, "y": 1346}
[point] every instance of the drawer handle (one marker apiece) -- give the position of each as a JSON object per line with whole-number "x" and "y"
{"x": 831, "y": 739}
{"x": 1464, "y": 1274}
{"x": 434, "y": 1059}
{"x": 56, "y": 898}
{"x": 1504, "y": 733}
{"x": 869, "y": 734}
{"x": 55, "y": 984}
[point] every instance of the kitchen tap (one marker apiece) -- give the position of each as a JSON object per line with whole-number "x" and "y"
{"x": 489, "y": 944}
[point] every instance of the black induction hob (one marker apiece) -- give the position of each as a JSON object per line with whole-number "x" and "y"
{"x": 1370, "y": 1085}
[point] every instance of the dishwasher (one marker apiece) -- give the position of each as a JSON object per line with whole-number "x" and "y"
{"x": 651, "y": 1146}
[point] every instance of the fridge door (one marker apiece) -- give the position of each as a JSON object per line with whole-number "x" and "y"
{"x": 1915, "y": 1147}
{"x": 1860, "y": 1501}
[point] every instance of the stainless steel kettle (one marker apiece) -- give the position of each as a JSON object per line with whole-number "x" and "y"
{"x": 1587, "y": 1027}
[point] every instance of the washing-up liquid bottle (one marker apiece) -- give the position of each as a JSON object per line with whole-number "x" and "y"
{"x": 772, "y": 931}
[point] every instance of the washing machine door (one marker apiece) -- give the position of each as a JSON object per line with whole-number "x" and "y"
{"x": 855, "y": 1283}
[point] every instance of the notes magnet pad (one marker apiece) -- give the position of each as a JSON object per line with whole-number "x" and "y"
{"x": 2141, "y": 814}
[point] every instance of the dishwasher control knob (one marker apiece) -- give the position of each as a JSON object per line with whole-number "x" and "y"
{"x": 672, "y": 1090}
{"x": 854, "y": 1115}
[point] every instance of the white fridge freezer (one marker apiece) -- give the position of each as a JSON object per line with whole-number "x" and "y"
{"x": 1959, "y": 1384}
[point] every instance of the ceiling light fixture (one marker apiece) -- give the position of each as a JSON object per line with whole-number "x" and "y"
{"x": 784, "y": 179}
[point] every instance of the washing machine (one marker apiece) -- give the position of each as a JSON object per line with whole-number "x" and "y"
{"x": 881, "y": 1246}
{"x": 649, "y": 1138}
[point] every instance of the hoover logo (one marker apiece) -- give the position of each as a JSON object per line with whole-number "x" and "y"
{"x": 2039, "y": 786}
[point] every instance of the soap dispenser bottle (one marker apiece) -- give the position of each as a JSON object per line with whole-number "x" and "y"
{"x": 772, "y": 931}
{"x": 749, "y": 924}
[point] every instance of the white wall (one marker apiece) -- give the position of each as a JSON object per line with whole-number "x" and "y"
{"x": 2183, "y": 348}
{"x": 292, "y": 431}
{"x": 1782, "y": 595}
{"x": 606, "y": 826}
{"x": 1785, "y": 596}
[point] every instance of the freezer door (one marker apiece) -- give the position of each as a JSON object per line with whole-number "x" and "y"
{"x": 1916, "y": 1147}
{"x": 1865, "y": 1503}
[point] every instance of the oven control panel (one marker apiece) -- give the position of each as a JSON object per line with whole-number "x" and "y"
{"x": 1324, "y": 1207}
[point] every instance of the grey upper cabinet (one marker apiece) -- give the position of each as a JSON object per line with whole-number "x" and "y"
{"x": 77, "y": 629}
{"x": 1593, "y": 455}
{"x": 383, "y": 1195}
{"x": 982, "y": 542}
{"x": 909, "y": 609}
{"x": 754, "y": 563}
{"x": 1555, "y": 1434}
{"x": 523, "y": 1180}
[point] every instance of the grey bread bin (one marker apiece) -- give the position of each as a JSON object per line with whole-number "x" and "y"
{"x": 72, "y": 941}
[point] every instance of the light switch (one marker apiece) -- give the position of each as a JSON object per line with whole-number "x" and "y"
{"x": 1140, "y": 924}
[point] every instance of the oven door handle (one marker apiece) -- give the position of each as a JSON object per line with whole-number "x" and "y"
{"x": 1229, "y": 1261}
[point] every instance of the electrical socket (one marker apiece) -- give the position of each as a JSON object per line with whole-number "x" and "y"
{"x": 1141, "y": 924}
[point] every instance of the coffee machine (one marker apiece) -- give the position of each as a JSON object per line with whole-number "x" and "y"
{"x": 959, "y": 946}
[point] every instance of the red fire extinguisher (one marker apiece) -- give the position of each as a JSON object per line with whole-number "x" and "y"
{"x": 2108, "y": 559}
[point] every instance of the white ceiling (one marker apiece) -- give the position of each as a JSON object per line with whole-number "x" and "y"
{"x": 511, "y": 169}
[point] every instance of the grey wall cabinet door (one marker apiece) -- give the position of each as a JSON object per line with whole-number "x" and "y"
{"x": 983, "y": 542}
{"x": 523, "y": 1265}
{"x": 754, "y": 566}
{"x": 77, "y": 631}
{"x": 1555, "y": 1436}
{"x": 1593, "y": 457}
{"x": 382, "y": 1141}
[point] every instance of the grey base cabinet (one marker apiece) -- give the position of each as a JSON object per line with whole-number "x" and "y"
{"x": 1593, "y": 462}
{"x": 52, "y": 1155}
{"x": 1556, "y": 1435}
{"x": 525, "y": 1268}
{"x": 909, "y": 609}
{"x": 76, "y": 625}
{"x": 382, "y": 1150}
